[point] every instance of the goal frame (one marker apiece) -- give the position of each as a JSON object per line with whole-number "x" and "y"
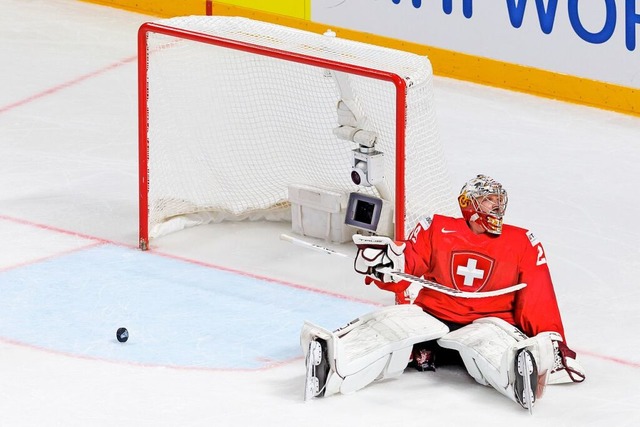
{"x": 143, "y": 116}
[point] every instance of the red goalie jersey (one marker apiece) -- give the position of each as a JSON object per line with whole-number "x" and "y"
{"x": 446, "y": 251}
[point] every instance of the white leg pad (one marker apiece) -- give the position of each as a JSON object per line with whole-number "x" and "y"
{"x": 373, "y": 347}
{"x": 488, "y": 348}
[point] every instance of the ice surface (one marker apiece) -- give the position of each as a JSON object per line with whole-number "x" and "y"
{"x": 213, "y": 312}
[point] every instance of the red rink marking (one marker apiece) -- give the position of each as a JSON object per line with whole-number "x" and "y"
{"x": 98, "y": 241}
{"x": 68, "y": 84}
{"x": 609, "y": 358}
{"x": 52, "y": 256}
{"x": 270, "y": 365}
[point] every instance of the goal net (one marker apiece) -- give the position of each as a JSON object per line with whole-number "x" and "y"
{"x": 233, "y": 111}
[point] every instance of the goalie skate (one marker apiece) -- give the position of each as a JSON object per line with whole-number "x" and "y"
{"x": 526, "y": 380}
{"x": 317, "y": 369}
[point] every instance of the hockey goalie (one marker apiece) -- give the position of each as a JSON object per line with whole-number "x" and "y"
{"x": 514, "y": 342}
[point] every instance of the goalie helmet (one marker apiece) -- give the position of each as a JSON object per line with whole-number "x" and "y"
{"x": 484, "y": 201}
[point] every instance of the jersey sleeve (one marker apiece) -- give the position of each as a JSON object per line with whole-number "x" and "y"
{"x": 417, "y": 254}
{"x": 536, "y": 308}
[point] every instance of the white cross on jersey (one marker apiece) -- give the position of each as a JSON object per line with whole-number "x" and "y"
{"x": 470, "y": 272}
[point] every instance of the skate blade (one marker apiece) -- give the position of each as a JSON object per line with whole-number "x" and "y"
{"x": 525, "y": 370}
{"x": 311, "y": 382}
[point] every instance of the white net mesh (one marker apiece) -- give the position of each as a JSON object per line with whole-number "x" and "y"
{"x": 229, "y": 130}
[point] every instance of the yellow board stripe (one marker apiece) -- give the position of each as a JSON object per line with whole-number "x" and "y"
{"x": 446, "y": 63}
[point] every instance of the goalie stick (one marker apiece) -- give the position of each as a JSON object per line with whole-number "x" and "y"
{"x": 408, "y": 277}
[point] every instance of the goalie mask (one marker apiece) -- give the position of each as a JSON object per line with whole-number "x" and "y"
{"x": 484, "y": 201}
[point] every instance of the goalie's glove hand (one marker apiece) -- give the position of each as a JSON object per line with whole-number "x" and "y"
{"x": 565, "y": 368}
{"x": 375, "y": 252}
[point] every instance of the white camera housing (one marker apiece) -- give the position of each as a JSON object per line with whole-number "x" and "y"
{"x": 367, "y": 168}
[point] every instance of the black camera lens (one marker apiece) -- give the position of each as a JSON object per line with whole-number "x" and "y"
{"x": 355, "y": 177}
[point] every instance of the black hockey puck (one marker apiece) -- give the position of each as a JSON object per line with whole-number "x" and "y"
{"x": 122, "y": 334}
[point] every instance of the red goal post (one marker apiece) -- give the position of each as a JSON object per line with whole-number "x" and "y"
{"x": 191, "y": 104}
